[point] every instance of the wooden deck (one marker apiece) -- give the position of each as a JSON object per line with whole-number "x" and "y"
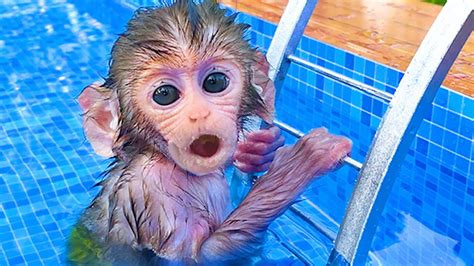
{"x": 386, "y": 31}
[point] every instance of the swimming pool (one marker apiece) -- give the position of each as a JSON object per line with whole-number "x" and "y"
{"x": 51, "y": 49}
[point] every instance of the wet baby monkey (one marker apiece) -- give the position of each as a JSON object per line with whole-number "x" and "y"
{"x": 182, "y": 82}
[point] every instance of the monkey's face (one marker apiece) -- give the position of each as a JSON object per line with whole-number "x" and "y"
{"x": 182, "y": 79}
{"x": 195, "y": 108}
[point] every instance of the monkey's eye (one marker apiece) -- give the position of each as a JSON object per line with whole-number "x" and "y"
{"x": 165, "y": 95}
{"x": 216, "y": 82}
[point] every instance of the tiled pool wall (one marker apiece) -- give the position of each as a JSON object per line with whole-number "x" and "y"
{"x": 436, "y": 184}
{"x": 47, "y": 169}
{"x": 439, "y": 187}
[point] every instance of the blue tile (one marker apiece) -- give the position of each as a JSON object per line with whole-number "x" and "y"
{"x": 319, "y": 81}
{"x": 447, "y": 157}
{"x": 380, "y": 73}
{"x": 355, "y": 114}
{"x": 441, "y": 97}
{"x": 338, "y": 69}
{"x": 464, "y": 147}
{"x": 468, "y": 107}
{"x": 434, "y": 151}
{"x": 428, "y": 113}
{"x": 356, "y": 99}
{"x": 469, "y": 234}
{"x": 377, "y": 108}
{"x": 331, "y": 66}
{"x": 367, "y": 103}
{"x": 321, "y": 62}
{"x": 365, "y": 118}
{"x": 305, "y": 44}
{"x": 461, "y": 178}
{"x": 450, "y": 140}
{"x": 340, "y": 58}
{"x": 17, "y": 260}
{"x": 416, "y": 200}
{"x": 470, "y": 191}
{"x": 269, "y": 29}
{"x": 330, "y": 53}
{"x": 462, "y": 164}
{"x": 466, "y": 127}
{"x": 368, "y": 81}
{"x": 455, "y": 102}
{"x": 423, "y": 131}
{"x": 379, "y": 85}
{"x": 346, "y": 92}
{"x": 321, "y": 49}
{"x": 331, "y": 89}
{"x": 374, "y": 122}
{"x": 349, "y": 61}
{"x": 311, "y": 78}
{"x": 422, "y": 146}
{"x": 439, "y": 116}
{"x": 392, "y": 77}
{"x": 358, "y": 77}
{"x": 440, "y": 225}
{"x": 369, "y": 68}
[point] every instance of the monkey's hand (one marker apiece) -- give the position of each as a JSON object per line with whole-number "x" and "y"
{"x": 314, "y": 155}
{"x": 292, "y": 170}
{"x": 257, "y": 152}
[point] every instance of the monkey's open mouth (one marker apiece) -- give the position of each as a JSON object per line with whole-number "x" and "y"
{"x": 205, "y": 146}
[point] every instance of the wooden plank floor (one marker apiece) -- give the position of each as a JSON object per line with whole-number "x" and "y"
{"x": 386, "y": 31}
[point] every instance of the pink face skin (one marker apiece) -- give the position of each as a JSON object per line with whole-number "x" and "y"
{"x": 208, "y": 119}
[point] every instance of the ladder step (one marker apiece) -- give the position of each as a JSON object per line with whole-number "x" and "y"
{"x": 379, "y": 94}
{"x": 295, "y": 132}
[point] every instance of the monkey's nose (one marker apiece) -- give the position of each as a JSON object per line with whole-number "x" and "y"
{"x": 199, "y": 114}
{"x": 205, "y": 146}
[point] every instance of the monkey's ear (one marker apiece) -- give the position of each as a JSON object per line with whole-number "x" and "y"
{"x": 265, "y": 88}
{"x": 100, "y": 120}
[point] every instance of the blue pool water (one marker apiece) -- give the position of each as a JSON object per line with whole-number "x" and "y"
{"x": 51, "y": 49}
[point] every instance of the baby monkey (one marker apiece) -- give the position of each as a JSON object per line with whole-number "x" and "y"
{"x": 182, "y": 82}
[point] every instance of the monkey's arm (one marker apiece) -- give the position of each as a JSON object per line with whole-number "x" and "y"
{"x": 241, "y": 234}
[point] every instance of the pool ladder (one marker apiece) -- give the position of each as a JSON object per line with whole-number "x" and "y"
{"x": 399, "y": 125}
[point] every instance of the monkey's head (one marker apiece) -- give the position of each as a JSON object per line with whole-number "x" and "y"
{"x": 182, "y": 79}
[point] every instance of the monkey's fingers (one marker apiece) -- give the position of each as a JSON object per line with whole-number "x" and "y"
{"x": 268, "y": 135}
{"x": 260, "y": 148}
{"x": 341, "y": 150}
{"x": 254, "y": 159}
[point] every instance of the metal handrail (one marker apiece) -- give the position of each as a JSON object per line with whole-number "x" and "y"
{"x": 379, "y": 94}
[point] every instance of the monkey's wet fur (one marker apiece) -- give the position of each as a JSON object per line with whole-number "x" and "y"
{"x": 182, "y": 82}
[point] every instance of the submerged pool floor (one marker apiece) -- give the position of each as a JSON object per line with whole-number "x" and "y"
{"x": 51, "y": 49}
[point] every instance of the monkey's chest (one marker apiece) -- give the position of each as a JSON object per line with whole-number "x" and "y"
{"x": 183, "y": 228}
{"x": 167, "y": 211}
{"x": 184, "y": 217}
